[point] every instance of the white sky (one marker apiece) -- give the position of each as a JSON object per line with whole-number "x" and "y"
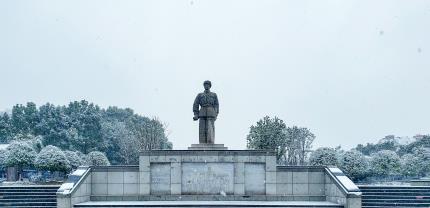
{"x": 351, "y": 71}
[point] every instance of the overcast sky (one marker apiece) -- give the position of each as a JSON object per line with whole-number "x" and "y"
{"x": 350, "y": 71}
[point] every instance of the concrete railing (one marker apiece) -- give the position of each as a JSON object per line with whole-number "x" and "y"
{"x": 76, "y": 189}
{"x": 340, "y": 189}
{"x": 317, "y": 183}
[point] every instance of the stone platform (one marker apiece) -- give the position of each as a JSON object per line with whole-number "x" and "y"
{"x": 208, "y": 177}
{"x": 207, "y": 147}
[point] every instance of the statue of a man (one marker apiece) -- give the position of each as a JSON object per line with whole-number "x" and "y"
{"x": 208, "y": 112}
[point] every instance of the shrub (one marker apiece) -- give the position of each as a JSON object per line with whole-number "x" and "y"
{"x": 53, "y": 159}
{"x": 97, "y": 158}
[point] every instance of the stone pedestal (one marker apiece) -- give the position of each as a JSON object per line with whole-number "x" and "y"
{"x": 207, "y": 172}
{"x": 207, "y": 147}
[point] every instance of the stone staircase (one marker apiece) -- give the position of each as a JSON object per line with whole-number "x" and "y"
{"x": 28, "y": 196}
{"x": 395, "y": 196}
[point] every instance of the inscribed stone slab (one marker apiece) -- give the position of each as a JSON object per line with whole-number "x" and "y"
{"x": 160, "y": 178}
{"x": 207, "y": 178}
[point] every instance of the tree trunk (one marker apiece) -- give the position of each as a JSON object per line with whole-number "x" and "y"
{"x": 12, "y": 173}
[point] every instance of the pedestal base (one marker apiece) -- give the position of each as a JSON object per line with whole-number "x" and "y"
{"x": 207, "y": 147}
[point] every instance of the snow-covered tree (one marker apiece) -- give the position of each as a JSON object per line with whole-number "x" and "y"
{"x": 268, "y": 133}
{"x": 324, "y": 156}
{"x": 385, "y": 163}
{"x": 19, "y": 154}
{"x": 73, "y": 158}
{"x": 354, "y": 164}
{"x": 410, "y": 165}
{"x": 97, "y": 158}
{"x": 299, "y": 143}
{"x": 53, "y": 159}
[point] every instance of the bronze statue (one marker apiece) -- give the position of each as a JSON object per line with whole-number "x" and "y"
{"x": 208, "y": 112}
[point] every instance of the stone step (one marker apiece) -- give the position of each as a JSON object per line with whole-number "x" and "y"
{"x": 395, "y": 190}
{"x": 286, "y": 204}
{"x": 396, "y": 193}
{"x": 375, "y": 204}
{"x": 29, "y": 187}
{"x": 396, "y": 200}
{"x": 28, "y": 204}
{"x": 394, "y": 197}
{"x": 52, "y": 199}
{"x": 392, "y": 187}
{"x": 26, "y": 193}
{"x": 12, "y": 196}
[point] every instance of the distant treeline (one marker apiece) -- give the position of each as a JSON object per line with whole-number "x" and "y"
{"x": 85, "y": 127}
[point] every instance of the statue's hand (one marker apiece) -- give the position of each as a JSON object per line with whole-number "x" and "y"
{"x": 195, "y": 118}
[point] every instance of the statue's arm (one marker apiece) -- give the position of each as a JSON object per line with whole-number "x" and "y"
{"x": 216, "y": 104}
{"x": 196, "y": 106}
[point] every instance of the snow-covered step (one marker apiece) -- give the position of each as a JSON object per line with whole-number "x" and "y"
{"x": 28, "y": 196}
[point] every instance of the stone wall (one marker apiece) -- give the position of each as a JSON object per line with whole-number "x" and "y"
{"x": 302, "y": 183}
{"x": 115, "y": 183}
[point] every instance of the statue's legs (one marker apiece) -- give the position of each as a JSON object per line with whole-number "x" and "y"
{"x": 206, "y": 130}
{"x": 210, "y": 136}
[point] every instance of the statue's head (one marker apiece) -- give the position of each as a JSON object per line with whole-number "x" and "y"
{"x": 207, "y": 84}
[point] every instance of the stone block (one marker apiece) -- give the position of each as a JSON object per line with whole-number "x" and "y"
{"x": 173, "y": 158}
{"x": 284, "y": 177}
{"x": 301, "y": 198}
{"x": 316, "y": 177}
{"x": 317, "y": 198}
{"x": 239, "y": 189}
{"x": 300, "y": 189}
{"x": 316, "y": 189}
{"x": 270, "y": 163}
{"x": 144, "y": 189}
{"x": 190, "y": 158}
{"x": 131, "y": 189}
{"x": 160, "y": 178}
{"x": 225, "y": 158}
{"x": 88, "y": 189}
{"x": 270, "y": 177}
{"x": 175, "y": 189}
{"x": 145, "y": 177}
{"x": 115, "y": 189}
{"x": 98, "y": 198}
{"x": 130, "y": 198}
{"x": 300, "y": 177}
{"x": 63, "y": 202}
{"x": 257, "y": 159}
{"x": 115, "y": 177}
{"x": 255, "y": 176}
{"x": 242, "y": 158}
{"x": 144, "y": 164}
{"x": 270, "y": 188}
{"x": 208, "y": 158}
{"x": 99, "y": 189}
{"x": 284, "y": 189}
{"x": 175, "y": 173}
{"x": 99, "y": 177}
{"x": 353, "y": 203}
{"x": 239, "y": 172}
{"x": 157, "y": 159}
{"x": 114, "y": 198}
{"x": 131, "y": 177}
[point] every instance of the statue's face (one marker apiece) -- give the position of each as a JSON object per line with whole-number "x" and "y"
{"x": 207, "y": 86}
